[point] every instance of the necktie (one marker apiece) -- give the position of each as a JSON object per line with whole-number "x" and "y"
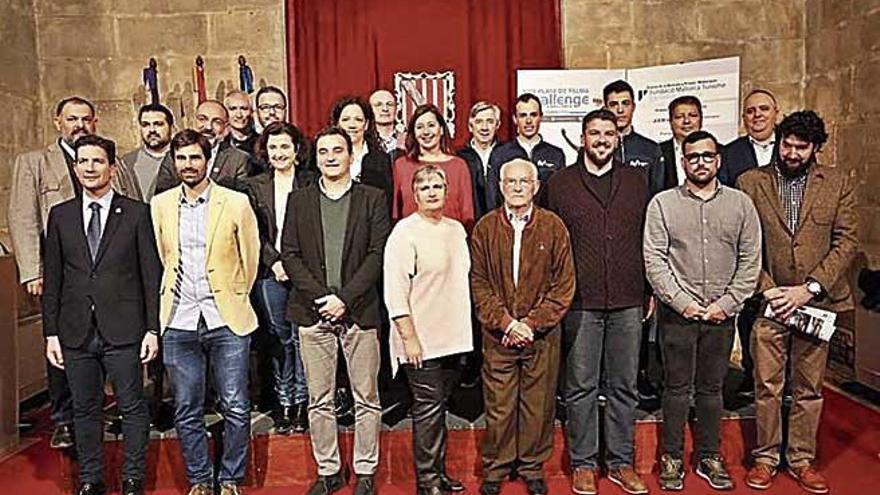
{"x": 93, "y": 233}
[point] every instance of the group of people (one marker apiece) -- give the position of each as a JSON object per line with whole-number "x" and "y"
{"x": 554, "y": 272}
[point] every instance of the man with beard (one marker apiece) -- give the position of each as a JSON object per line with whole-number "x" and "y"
{"x": 807, "y": 210}
{"x": 227, "y": 166}
{"x": 210, "y": 247}
{"x": 42, "y": 179}
{"x": 685, "y": 117}
{"x": 271, "y": 106}
{"x": 242, "y": 135}
{"x": 484, "y": 120}
{"x": 602, "y": 202}
{"x": 702, "y": 253}
{"x": 760, "y": 145}
{"x": 385, "y": 109}
{"x": 156, "y": 122}
{"x": 527, "y": 144}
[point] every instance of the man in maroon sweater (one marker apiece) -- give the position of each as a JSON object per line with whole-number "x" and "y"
{"x": 602, "y": 202}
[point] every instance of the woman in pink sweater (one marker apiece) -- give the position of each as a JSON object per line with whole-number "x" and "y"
{"x": 428, "y": 142}
{"x": 428, "y": 298}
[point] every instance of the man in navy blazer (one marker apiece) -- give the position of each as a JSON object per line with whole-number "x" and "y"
{"x": 101, "y": 276}
{"x": 760, "y": 144}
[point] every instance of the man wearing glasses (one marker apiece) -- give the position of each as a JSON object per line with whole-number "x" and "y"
{"x": 227, "y": 165}
{"x": 271, "y": 106}
{"x": 602, "y": 202}
{"x": 702, "y": 255}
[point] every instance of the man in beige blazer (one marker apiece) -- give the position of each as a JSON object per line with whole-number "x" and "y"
{"x": 809, "y": 223}
{"x": 42, "y": 179}
{"x": 209, "y": 245}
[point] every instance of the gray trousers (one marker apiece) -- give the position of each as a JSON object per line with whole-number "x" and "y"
{"x": 320, "y": 347}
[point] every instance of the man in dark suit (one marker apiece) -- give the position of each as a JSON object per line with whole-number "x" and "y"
{"x": 760, "y": 144}
{"x": 685, "y": 117}
{"x": 528, "y": 144}
{"x": 758, "y": 148}
{"x": 484, "y": 120}
{"x": 331, "y": 248}
{"x": 228, "y": 165}
{"x": 101, "y": 309}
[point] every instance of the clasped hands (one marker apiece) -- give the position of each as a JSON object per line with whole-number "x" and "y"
{"x": 784, "y": 301}
{"x": 518, "y": 335}
{"x": 711, "y": 313}
{"x": 330, "y": 307}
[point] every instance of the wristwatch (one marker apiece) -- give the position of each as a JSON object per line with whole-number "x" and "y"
{"x": 814, "y": 287}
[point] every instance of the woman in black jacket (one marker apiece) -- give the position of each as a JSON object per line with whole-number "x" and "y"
{"x": 283, "y": 147}
{"x": 370, "y": 165}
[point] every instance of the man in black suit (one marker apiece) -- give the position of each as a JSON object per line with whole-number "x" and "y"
{"x": 759, "y": 146}
{"x": 228, "y": 165}
{"x": 101, "y": 309}
{"x": 331, "y": 248}
{"x": 484, "y": 120}
{"x": 685, "y": 117}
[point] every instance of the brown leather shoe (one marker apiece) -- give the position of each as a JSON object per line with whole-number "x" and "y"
{"x": 761, "y": 475}
{"x": 200, "y": 489}
{"x": 583, "y": 481}
{"x": 627, "y": 478}
{"x": 809, "y": 478}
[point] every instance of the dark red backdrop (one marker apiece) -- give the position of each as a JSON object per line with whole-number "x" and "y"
{"x": 345, "y": 47}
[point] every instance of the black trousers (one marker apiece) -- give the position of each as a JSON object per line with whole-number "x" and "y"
{"x": 85, "y": 368}
{"x": 59, "y": 395}
{"x": 684, "y": 344}
{"x": 431, "y": 385}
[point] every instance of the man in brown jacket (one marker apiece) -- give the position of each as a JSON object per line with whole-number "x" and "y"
{"x": 809, "y": 222}
{"x": 522, "y": 280}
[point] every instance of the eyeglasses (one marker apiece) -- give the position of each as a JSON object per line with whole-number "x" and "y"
{"x": 706, "y": 157}
{"x": 517, "y": 182}
{"x": 272, "y": 108}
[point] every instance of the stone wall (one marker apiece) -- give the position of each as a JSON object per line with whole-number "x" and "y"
{"x": 19, "y": 92}
{"x": 98, "y": 49}
{"x": 842, "y": 71}
{"x": 768, "y": 36}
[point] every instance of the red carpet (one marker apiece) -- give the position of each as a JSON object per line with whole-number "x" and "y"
{"x": 849, "y": 445}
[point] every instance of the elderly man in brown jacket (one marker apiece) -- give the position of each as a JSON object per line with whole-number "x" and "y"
{"x": 523, "y": 282}
{"x": 809, "y": 222}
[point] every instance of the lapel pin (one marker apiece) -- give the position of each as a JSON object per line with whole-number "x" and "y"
{"x": 216, "y": 170}
{"x": 118, "y": 210}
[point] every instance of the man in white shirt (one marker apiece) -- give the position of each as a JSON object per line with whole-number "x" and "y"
{"x": 758, "y": 147}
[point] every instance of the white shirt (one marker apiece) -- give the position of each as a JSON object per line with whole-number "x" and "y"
{"x": 763, "y": 150}
{"x": 67, "y": 148}
{"x": 484, "y": 155}
{"x": 679, "y": 169}
{"x": 357, "y": 163}
{"x": 529, "y": 147}
{"x": 214, "y": 150}
{"x": 103, "y": 213}
{"x": 518, "y": 224}
{"x": 282, "y": 187}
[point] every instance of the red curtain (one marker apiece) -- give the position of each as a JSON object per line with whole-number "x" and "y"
{"x": 351, "y": 47}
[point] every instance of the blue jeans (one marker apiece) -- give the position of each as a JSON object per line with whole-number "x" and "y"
{"x": 288, "y": 374}
{"x": 186, "y": 354}
{"x": 602, "y": 351}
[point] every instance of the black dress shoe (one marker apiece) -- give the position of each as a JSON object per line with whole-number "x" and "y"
{"x": 536, "y": 487}
{"x": 490, "y": 488}
{"x": 91, "y": 489}
{"x": 132, "y": 486}
{"x": 448, "y": 484}
{"x": 62, "y": 437}
{"x": 281, "y": 418}
{"x": 325, "y": 485}
{"x": 364, "y": 485}
{"x": 300, "y": 417}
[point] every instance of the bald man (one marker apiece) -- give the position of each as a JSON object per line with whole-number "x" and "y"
{"x": 758, "y": 147}
{"x": 227, "y": 165}
{"x": 523, "y": 281}
{"x": 242, "y": 134}
{"x": 385, "y": 109}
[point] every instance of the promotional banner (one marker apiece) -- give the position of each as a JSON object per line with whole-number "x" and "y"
{"x": 567, "y": 95}
{"x": 714, "y": 82}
